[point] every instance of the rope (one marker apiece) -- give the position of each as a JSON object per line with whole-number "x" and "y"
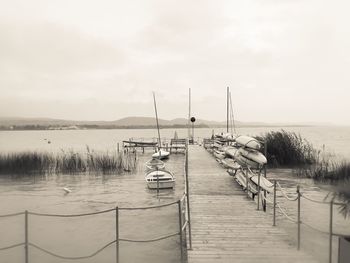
{"x": 14, "y": 214}
{"x": 72, "y": 215}
{"x": 284, "y": 193}
{"x": 321, "y": 202}
{"x": 285, "y": 214}
{"x": 72, "y": 258}
{"x": 316, "y": 229}
{"x": 148, "y": 240}
{"x": 265, "y": 198}
{"x": 12, "y": 246}
{"x": 147, "y": 207}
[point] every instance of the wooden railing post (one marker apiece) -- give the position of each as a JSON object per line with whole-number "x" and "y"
{"x": 188, "y": 199}
{"x": 330, "y": 231}
{"x": 117, "y": 233}
{"x": 259, "y": 189}
{"x": 26, "y": 250}
{"x": 274, "y": 202}
{"x": 299, "y": 221}
{"x": 180, "y": 230}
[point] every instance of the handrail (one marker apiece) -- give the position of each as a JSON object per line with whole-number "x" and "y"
{"x": 14, "y": 214}
{"x": 12, "y": 246}
{"x": 95, "y": 213}
{"x": 149, "y": 240}
{"x": 71, "y": 215}
{"x": 284, "y": 193}
{"x": 72, "y": 258}
{"x": 320, "y": 202}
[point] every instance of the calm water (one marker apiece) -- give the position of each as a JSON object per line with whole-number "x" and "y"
{"x": 82, "y": 236}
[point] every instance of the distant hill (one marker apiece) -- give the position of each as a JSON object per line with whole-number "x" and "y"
{"x": 15, "y": 123}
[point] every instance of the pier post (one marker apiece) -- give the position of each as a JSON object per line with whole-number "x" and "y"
{"x": 299, "y": 221}
{"x": 118, "y": 147}
{"x": 330, "y": 231}
{"x": 259, "y": 190}
{"x": 188, "y": 198}
{"x": 247, "y": 182}
{"x": 180, "y": 230}
{"x": 274, "y": 203}
{"x": 117, "y": 233}
{"x": 26, "y": 254}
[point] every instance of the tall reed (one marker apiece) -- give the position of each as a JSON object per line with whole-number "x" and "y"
{"x": 288, "y": 149}
{"x": 66, "y": 162}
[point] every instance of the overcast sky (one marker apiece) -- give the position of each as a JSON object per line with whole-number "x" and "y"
{"x": 284, "y": 60}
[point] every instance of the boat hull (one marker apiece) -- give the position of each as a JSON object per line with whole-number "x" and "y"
{"x": 160, "y": 179}
{"x": 248, "y": 142}
{"x": 161, "y": 155}
{"x": 161, "y": 185}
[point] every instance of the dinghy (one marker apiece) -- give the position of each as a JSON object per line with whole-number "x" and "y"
{"x": 230, "y": 163}
{"x": 161, "y": 154}
{"x": 160, "y": 179}
{"x": 155, "y": 164}
{"x": 252, "y": 159}
{"x": 248, "y": 142}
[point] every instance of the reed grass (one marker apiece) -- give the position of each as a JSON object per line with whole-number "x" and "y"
{"x": 288, "y": 149}
{"x": 66, "y": 162}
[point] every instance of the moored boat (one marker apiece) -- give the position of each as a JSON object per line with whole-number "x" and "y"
{"x": 155, "y": 164}
{"x": 160, "y": 179}
{"x": 248, "y": 142}
{"x": 161, "y": 154}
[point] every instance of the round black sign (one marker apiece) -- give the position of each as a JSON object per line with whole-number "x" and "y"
{"x": 193, "y": 119}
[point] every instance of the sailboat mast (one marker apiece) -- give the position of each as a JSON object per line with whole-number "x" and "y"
{"x": 189, "y": 114}
{"x": 155, "y": 109}
{"x": 227, "y": 108}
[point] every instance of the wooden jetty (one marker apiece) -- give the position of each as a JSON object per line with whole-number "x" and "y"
{"x": 226, "y": 225}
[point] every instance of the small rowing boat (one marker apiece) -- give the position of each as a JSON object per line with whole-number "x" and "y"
{"x": 160, "y": 179}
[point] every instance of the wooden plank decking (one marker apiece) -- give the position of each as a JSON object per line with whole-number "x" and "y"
{"x": 226, "y": 226}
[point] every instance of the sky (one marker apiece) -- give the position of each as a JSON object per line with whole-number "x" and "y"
{"x": 284, "y": 60}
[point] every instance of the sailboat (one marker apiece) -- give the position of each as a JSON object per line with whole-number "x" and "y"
{"x": 157, "y": 177}
{"x": 161, "y": 154}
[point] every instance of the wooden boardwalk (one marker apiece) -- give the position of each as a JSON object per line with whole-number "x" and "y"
{"x": 226, "y": 226}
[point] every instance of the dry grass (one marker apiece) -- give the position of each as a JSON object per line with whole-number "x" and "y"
{"x": 288, "y": 149}
{"x": 66, "y": 162}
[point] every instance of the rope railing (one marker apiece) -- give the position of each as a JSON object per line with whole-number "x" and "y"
{"x": 149, "y": 240}
{"x": 285, "y": 194}
{"x": 71, "y": 258}
{"x": 320, "y": 201}
{"x": 71, "y": 215}
{"x": 12, "y": 246}
{"x": 11, "y": 215}
{"x": 183, "y": 224}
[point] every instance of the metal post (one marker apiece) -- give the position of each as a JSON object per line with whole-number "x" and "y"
{"x": 299, "y": 222}
{"x": 118, "y": 147}
{"x": 188, "y": 199}
{"x": 247, "y": 182}
{"x": 330, "y": 231}
{"x": 180, "y": 229}
{"x": 117, "y": 233}
{"x": 264, "y": 193}
{"x": 259, "y": 190}
{"x": 274, "y": 202}
{"x": 26, "y": 258}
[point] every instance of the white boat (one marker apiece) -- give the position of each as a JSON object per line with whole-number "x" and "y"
{"x": 265, "y": 184}
{"x": 248, "y": 142}
{"x": 155, "y": 164}
{"x": 230, "y": 164}
{"x": 231, "y": 151}
{"x": 252, "y": 159}
{"x": 160, "y": 179}
{"x": 219, "y": 155}
{"x": 161, "y": 154}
